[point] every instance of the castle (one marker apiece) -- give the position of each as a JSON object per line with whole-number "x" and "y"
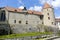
{"x": 27, "y": 18}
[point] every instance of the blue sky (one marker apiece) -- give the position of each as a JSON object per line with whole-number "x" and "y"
{"x": 32, "y": 4}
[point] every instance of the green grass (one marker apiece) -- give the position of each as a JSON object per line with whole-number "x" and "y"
{"x": 24, "y": 35}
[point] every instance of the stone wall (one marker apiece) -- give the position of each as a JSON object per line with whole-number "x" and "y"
{"x": 32, "y": 21}
{"x": 32, "y": 28}
{"x": 4, "y": 29}
{"x": 24, "y": 28}
{"x": 23, "y": 17}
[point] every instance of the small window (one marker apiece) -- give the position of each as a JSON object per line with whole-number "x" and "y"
{"x": 14, "y": 21}
{"x": 29, "y": 28}
{"x": 19, "y": 21}
{"x": 48, "y": 13}
{"x": 26, "y": 22}
{"x": 52, "y": 22}
{"x": 49, "y": 18}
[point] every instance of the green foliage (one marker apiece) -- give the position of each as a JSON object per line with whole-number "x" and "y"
{"x": 58, "y": 33}
{"x": 24, "y": 35}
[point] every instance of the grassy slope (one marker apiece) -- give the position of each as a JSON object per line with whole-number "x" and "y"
{"x": 24, "y": 35}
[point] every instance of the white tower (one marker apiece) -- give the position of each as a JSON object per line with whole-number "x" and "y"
{"x": 49, "y": 17}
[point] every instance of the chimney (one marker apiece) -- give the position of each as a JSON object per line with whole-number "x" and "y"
{"x": 24, "y": 8}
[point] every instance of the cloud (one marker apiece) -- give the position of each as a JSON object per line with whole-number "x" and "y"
{"x": 20, "y": 1}
{"x": 58, "y": 17}
{"x": 21, "y": 7}
{"x": 54, "y": 3}
{"x": 36, "y": 8}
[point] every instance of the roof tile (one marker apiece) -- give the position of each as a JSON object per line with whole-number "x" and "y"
{"x": 21, "y": 10}
{"x": 46, "y": 5}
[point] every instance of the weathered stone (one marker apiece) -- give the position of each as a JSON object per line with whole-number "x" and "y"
{"x": 4, "y": 29}
{"x": 24, "y": 28}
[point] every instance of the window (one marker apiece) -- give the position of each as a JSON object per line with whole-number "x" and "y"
{"x": 19, "y": 21}
{"x": 14, "y": 21}
{"x": 48, "y": 13}
{"x": 49, "y": 18}
{"x": 29, "y": 28}
{"x": 2, "y": 16}
{"x": 26, "y": 22}
{"x": 52, "y": 22}
{"x": 41, "y": 17}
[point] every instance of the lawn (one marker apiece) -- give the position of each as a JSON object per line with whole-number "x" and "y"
{"x": 24, "y": 35}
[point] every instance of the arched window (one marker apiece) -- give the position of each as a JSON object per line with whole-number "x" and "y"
{"x": 49, "y": 18}
{"x": 14, "y": 21}
{"x": 2, "y": 16}
{"x": 26, "y": 22}
{"x": 19, "y": 21}
{"x": 48, "y": 13}
{"x": 29, "y": 28}
{"x": 52, "y": 23}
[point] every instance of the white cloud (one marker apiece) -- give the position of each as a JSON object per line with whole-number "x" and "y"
{"x": 54, "y": 3}
{"x": 20, "y": 1}
{"x": 36, "y": 8}
{"x": 21, "y": 7}
{"x": 58, "y": 17}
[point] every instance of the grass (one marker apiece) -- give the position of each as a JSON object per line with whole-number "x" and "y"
{"x": 24, "y": 35}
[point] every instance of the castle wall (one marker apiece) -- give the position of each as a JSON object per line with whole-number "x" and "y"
{"x": 30, "y": 18}
{"x": 31, "y": 26}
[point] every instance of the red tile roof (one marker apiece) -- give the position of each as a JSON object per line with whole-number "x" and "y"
{"x": 21, "y": 10}
{"x": 57, "y": 19}
{"x": 46, "y": 5}
{"x": 13, "y": 9}
{"x": 34, "y": 12}
{"x": 30, "y": 11}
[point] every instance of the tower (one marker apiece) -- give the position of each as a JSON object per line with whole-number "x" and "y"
{"x": 48, "y": 12}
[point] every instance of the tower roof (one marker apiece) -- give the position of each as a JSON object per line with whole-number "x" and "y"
{"x": 46, "y": 5}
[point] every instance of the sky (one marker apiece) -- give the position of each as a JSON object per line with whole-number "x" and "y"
{"x": 36, "y": 5}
